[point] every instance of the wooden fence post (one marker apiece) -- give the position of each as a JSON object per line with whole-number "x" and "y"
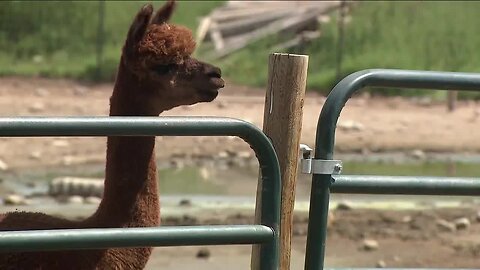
{"x": 282, "y": 123}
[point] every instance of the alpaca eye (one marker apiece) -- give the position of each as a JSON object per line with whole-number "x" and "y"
{"x": 163, "y": 69}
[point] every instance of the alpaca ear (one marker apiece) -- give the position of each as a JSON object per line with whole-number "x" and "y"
{"x": 138, "y": 27}
{"x": 164, "y": 13}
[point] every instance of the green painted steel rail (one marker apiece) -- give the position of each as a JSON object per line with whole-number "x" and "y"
{"x": 162, "y": 126}
{"x": 71, "y": 239}
{"x": 325, "y": 140}
{"x": 405, "y": 185}
{"x": 359, "y": 268}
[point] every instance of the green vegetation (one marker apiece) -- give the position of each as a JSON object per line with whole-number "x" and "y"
{"x": 59, "y": 39}
{"x": 423, "y": 35}
{"x": 186, "y": 181}
{"x": 458, "y": 169}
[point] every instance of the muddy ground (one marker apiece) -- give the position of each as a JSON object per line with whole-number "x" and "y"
{"x": 406, "y": 238}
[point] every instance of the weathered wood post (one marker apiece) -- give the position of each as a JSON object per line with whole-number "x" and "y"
{"x": 282, "y": 123}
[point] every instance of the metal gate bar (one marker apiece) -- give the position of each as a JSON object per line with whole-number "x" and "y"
{"x": 325, "y": 139}
{"x": 160, "y": 126}
{"x": 406, "y": 185}
{"x": 358, "y": 268}
{"x": 48, "y": 240}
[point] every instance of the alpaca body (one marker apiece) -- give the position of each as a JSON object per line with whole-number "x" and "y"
{"x": 125, "y": 258}
{"x": 130, "y": 200}
{"x": 156, "y": 73}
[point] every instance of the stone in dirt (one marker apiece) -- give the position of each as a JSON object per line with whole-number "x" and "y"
{"x": 462, "y": 223}
{"x": 344, "y": 205}
{"x": 381, "y": 264}
{"x": 350, "y": 125}
{"x": 36, "y": 107}
{"x": 41, "y": 92}
{"x": 418, "y": 154}
{"x": 185, "y": 202}
{"x": 60, "y": 143}
{"x": 407, "y": 219}
{"x": 35, "y": 155}
{"x": 299, "y": 231}
{"x": 3, "y": 165}
{"x": 14, "y": 199}
{"x": 204, "y": 173}
{"x": 370, "y": 245}
{"x": 222, "y": 105}
{"x": 203, "y": 253}
{"x": 75, "y": 199}
{"x": 446, "y": 226}
{"x": 92, "y": 200}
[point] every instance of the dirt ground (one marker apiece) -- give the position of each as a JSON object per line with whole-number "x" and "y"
{"x": 407, "y": 238}
{"x": 366, "y": 124}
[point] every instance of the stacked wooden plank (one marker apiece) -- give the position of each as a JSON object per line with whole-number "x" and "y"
{"x": 239, "y": 23}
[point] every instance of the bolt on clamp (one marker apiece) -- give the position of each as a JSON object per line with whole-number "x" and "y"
{"x": 309, "y": 165}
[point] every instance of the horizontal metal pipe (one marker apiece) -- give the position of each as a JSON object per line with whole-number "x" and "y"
{"x": 122, "y": 126}
{"x": 406, "y": 185}
{"x": 359, "y": 268}
{"x": 47, "y": 240}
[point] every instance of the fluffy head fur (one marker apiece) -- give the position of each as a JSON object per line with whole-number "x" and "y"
{"x": 166, "y": 44}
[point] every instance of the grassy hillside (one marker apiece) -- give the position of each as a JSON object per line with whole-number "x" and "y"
{"x": 59, "y": 38}
{"x": 388, "y": 34}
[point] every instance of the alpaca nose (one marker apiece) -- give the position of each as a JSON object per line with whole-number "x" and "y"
{"x": 213, "y": 72}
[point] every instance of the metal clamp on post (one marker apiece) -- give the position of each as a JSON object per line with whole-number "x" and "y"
{"x": 317, "y": 166}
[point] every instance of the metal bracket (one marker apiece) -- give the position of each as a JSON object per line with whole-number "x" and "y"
{"x": 317, "y": 166}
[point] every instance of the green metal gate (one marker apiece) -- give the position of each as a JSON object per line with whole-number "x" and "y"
{"x": 264, "y": 234}
{"x": 323, "y": 183}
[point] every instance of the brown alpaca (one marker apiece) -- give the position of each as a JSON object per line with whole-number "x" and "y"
{"x": 156, "y": 73}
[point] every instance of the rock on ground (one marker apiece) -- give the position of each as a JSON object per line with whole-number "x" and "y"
{"x": 462, "y": 223}
{"x": 370, "y": 245}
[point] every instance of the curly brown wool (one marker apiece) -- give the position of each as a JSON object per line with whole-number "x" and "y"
{"x": 166, "y": 44}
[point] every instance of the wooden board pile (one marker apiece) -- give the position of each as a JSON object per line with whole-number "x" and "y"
{"x": 239, "y": 23}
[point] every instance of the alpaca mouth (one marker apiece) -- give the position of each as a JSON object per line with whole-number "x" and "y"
{"x": 211, "y": 92}
{"x": 208, "y": 95}
{"x": 217, "y": 82}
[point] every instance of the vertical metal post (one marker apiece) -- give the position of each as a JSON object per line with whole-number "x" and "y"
{"x": 317, "y": 221}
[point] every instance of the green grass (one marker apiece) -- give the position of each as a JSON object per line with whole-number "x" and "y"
{"x": 423, "y": 35}
{"x": 59, "y": 39}
{"x": 412, "y": 169}
{"x": 186, "y": 181}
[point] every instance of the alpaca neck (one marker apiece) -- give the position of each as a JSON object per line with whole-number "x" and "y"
{"x": 130, "y": 193}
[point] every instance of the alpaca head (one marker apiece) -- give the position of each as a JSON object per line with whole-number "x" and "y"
{"x": 158, "y": 55}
